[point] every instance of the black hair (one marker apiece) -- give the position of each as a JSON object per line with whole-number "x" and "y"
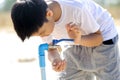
{"x": 28, "y": 16}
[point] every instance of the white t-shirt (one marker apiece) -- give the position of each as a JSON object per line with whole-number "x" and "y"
{"x": 88, "y": 15}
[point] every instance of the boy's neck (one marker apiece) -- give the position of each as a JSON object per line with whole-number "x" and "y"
{"x": 55, "y": 7}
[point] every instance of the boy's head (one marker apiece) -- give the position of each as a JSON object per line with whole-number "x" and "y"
{"x": 28, "y": 16}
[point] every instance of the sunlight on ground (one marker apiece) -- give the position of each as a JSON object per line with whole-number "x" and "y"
{"x": 12, "y": 49}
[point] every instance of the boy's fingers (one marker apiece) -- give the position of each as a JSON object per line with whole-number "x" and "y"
{"x": 54, "y": 64}
{"x": 59, "y": 67}
{"x": 69, "y": 25}
{"x": 72, "y": 27}
{"x": 56, "y": 67}
{"x": 62, "y": 66}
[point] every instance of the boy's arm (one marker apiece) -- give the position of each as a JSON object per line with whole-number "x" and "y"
{"x": 91, "y": 40}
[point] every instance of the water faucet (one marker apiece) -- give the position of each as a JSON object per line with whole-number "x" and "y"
{"x": 42, "y": 48}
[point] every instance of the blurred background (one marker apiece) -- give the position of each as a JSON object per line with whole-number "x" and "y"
{"x": 11, "y": 47}
{"x": 5, "y": 20}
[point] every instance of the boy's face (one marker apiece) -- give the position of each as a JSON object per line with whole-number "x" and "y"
{"x": 47, "y": 28}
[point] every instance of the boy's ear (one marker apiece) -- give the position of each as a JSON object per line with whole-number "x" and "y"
{"x": 49, "y": 14}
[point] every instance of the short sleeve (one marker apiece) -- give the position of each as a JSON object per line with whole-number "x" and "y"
{"x": 88, "y": 22}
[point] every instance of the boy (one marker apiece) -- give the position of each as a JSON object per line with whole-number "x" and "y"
{"x": 91, "y": 27}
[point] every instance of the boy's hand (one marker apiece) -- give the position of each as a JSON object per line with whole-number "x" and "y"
{"x": 74, "y": 32}
{"x": 58, "y": 65}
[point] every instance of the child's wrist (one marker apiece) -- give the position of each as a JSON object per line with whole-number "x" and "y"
{"x": 77, "y": 41}
{"x": 53, "y": 54}
{"x": 55, "y": 57}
